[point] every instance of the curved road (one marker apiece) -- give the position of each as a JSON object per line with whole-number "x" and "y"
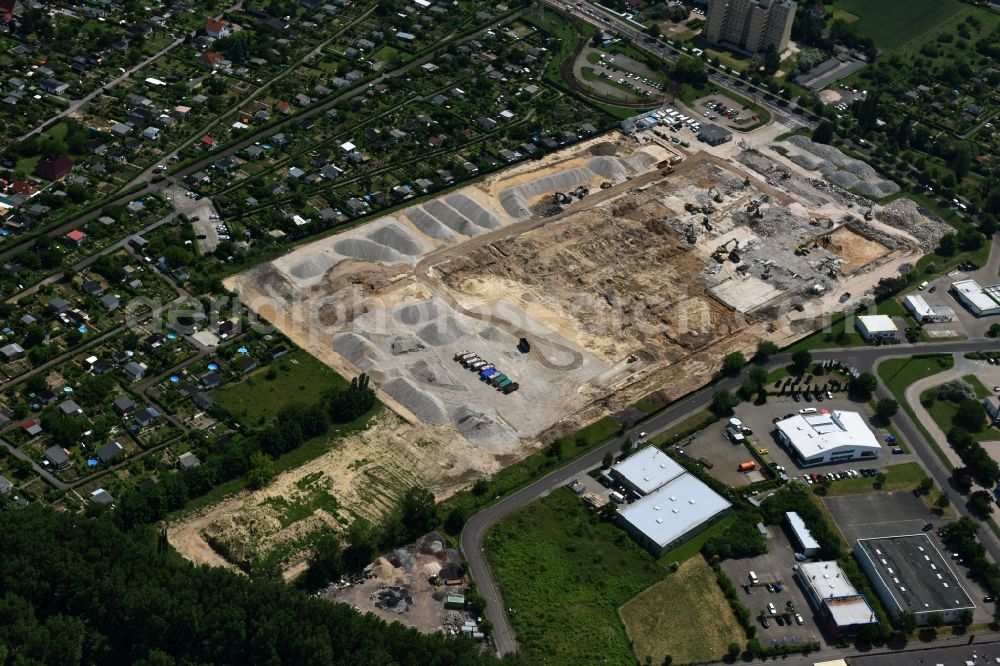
{"x": 864, "y": 359}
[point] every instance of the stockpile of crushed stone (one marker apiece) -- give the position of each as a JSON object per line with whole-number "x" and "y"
{"x": 356, "y": 349}
{"x": 919, "y": 222}
{"x": 404, "y": 344}
{"x": 412, "y": 314}
{"x": 477, "y": 426}
{"x": 842, "y": 170}
{"x": 603, "y": 148}
{"x": 442, "y": 331}
{"x": 641, "y": 161}
{"x": 425, "y": 406}
{"x": 437, "y": 375}
{"x": 397, "y": 238}
{"x": 428, "y": 224}
{"x": 609, "y": 168}
{"x": 452, "y": 219}
{"x": 515, "y": 199}
{"x": 366, "y": 250}
{"x": 473, "y": 211}
{"x": 312, "y": 266}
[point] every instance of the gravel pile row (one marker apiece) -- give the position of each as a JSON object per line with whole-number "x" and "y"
{"x": 840, "y": 169}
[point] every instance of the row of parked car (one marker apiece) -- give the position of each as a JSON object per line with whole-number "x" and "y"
{"x": 813, "y": 477}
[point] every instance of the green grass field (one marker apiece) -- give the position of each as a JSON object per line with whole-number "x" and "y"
{"x": 898, "y": 373}
{"x": 904, "y": 476}
{"x": 565, "y": 574}
{"x": 300, "y": 378}
{"x": 893, "y": 23}
{"x": 943, "y": 412}
{"x": 691, "y": 593}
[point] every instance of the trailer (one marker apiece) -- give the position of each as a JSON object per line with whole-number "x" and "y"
{"x": 505, "y": 383}
{"x": 510, "y": 388}
{"x": 486, "y": 374}
{"x": 496, "y": 379}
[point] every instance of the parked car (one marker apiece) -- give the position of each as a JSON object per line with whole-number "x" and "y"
{"x": 798, "y": 619}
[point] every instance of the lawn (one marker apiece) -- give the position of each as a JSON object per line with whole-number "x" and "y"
{"x": 693, "y": 423}
{"x": 565, "y": 574}
{"x": 898, "y": 373}
{"x": 981, "y": 390}
{"x": 27, "y": 164}
{"x": 904, "y": 476}
{"x": 943, "y": 412}
{"x": 892, "y": 23}
{"x": 299, "y": 378}
{"x": 691, "y": 593}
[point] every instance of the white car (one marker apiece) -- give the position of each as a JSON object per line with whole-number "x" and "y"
{"x": 770, "y": 608}
{"x": 798, "y": 619}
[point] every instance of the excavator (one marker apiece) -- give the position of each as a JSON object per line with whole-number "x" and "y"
{"x": 717, "y": 197}
{"x": 721, "y": 251}
{"x": 870, "y": 213}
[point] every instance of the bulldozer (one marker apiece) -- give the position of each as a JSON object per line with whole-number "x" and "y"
{"x": 706, "y": 223}
{"x": 746, "y": 182}
{"x": 717, "y": 197}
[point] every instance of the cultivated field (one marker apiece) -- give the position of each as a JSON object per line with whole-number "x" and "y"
{"x": 685, "y": 615}
{"x": 892, "y": 23}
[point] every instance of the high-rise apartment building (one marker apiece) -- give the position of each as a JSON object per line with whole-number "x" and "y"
{"x": 752, "y": 25}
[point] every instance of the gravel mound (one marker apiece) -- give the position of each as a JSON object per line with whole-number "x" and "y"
{"x": 425, "y": 406}
{"x": 428, "y": 224}
{"x": 412, "y": 314}
{"x": 477, "y": 426}
{"x": 876, "y": 189}
{"x": 356, "y": 349}
{"x": 422, "y": 371}
{"x": 312, "y": 266}
{"x": 472, "y": 210}
{"x": 366, "y": 250}
{"x": 404, "y": 344}
{"x": 641, "y": 161}
{"x": 441, "y": 332}
{"x": 397, "y": 238}
{"x": 609, "y": 168}
{"x": 515, "y": 199}
{"x": 452, "y": 219}
{"x": 494, "y": 334}
{"x": 840, "y": 169}
{"x": 843, "y": 179}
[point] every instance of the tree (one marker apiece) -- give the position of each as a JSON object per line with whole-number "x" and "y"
{"x": 970, "y": 415}
{"x": 734, "y": 650}
{"x": 823, "y": 132}
{"x": 609, "y": 458}
{"x": 758, "y": 376}
{"x": 362, "y": 544}
{"x": 943, "y": 501}
{"x": 993, "y": 331}
{"x": 801, "y": 360}
{"x": 935, "y": 620}
{"x": 690, "y": 70}
{"x": 886, "y": 408}
{"x": 981, "y": 503}
{"x": 455, "y": 520}
{"x": 948, "y": 245}
{"x": 906, "y": 622}
{"x": 326, "y": 562}
{"x": 733, "y": 362}
{"x": 723, "y": 403}
{"x": 863, "y": 385}
{"x": 418, "y": 511}
{"x": 961, "y": 160}
{"x": 925, "y": 485}
{"x": 765, "y": 350}
{"x": 261, "y": 469}
{"x": 626, "y": 447}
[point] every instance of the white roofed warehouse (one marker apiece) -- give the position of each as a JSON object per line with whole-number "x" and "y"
{"x": 925, "y": 313}
{"x": 909, "y": 574}
{"x": 802, "y": 538}
{"x": 980, "y": 301}
{"x": 646, "y": 470}
{"x": 877, "y": 327}
{"x": 828, "y": 437}
{"x": 670, "y": 515}
{"x": 837, "y": 603}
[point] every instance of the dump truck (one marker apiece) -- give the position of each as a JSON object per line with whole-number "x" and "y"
{"x": 523, "y": 346}
{"x": 496, "y": 379}
{"x": 478, "y": 365}
{"x": 747, "y": 466}
{"x": 461, "y": 354}
{"x": 489, "y": 372}
{"x": 505, "y": 383}
{"x": 469, "y": 361}
{"x": 510, "y": 388}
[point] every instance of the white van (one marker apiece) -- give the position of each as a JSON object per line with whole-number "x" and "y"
{"x": 923, "y": 285}
{"x": 807, "y": 410}
{"x": 753, "y": 578}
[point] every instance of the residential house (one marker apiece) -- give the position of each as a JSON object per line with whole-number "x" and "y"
{"x": 110, "y": 302}
{"x": 110, "y": 452}
{"x": 11, "y": 352}
{"x": 56, "y": 457}
{"x": 187, "y": 461}
{"x": 102, "y": 496}
{"x": 146, "y": 417}
{"x": 53, "y": 87}
{"x": 217, "y": 28}
{"x": 123, "y": 404}
{"x": 57, "y": 305}
{"x": 5, "y": 486}
{"x": 55, "y": 168}
{"x": 92, "y": 288}
{"x": 75, "y": 237}
{"x": 134, "y": 371}
{"x": 70, "y": 408}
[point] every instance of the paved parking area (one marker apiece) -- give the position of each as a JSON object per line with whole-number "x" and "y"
{"x": 775, "y": 566}
{"x": 965, "y": 323}
{"x": 712, "y": 445}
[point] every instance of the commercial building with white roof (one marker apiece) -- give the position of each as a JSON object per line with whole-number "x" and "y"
{"x": 877, "y": 327}
{"x": 828, "y": 437}
{"x": 668, "y": 516}
{"x": 980, "y": 301}
{"x": 837, "y": 603}
{"x": 646, "y": 470}
{"x": 909, "y": 574}
{"x": 925, "y": 313}
{"x": 802, "y": 537}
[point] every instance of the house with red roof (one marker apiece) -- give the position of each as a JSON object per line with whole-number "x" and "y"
{"x": 7, "y": 10}
{"x": 21, "y": 187}
{"x": 217, "y": 28}
{"x": 207, "y": 141}
{"x": 210, "y": 59}
{"x": 283, "y": 107}
{"x": 55, "y": 168}
{"x": 76, "y": 237}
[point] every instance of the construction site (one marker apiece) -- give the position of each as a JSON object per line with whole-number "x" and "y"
{"x": 520, "y": 308}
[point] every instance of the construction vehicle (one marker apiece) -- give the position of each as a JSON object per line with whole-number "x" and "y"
{"x": 717, "y": 197}
{"x": 746, "y": 182}
{"x": 605, "y": 185}
{"x": 708, "y": 209}
{"x": 721, "y": 251}
{"x": 706, "y": 223}
{"x": 690, "y": 207}
{"x": 560, "y": 198}
{"x": 870, "y": 213}
{"x": 460, "y": 355}
{"x": 690, "y": 235}
{"x": 486, "y": 374}
{"x": 470, "y": 360}
{"x": 767, "y": 272}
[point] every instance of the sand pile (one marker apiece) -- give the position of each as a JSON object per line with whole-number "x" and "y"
{"x": 366, "y": 250}
{"x": 312, "y": 266}
{"x": 412, "y": 314}
{"x": 397, "y": 238}
{"x": 441, "y": 332}
{"x": 428, "y": 224}
{"x": 641, "y": 161}
{"x": 452, "y": 219}
{"x": 425, "y": 406}
{"x": 609, "y": 168}
{"x": 840, "y": 169}
{"x": 603, "y": 148}
{"x": 515, "y": 199}
{"x": 422, "y": 371}
{"x": 358, "y": 350}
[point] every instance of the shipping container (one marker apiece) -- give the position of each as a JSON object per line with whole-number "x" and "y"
{"x": 747, "y": 466}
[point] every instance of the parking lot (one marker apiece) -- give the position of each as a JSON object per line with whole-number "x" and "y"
{"x": 712, "y": 445}
{"x": 965, "y": 323}
{"x": 874, "y": 515}
{"x": 775, "y": 566}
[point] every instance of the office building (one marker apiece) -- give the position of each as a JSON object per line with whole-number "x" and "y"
{"x": 828, "y": 436}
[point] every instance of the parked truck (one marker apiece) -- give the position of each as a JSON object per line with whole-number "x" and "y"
{"x": 505, "y": 383}
{"x": 747, "y": 466}
{"x": 496, "y": 379}
{"x": 487, "y": 373}
{"x": 510, "y": 388}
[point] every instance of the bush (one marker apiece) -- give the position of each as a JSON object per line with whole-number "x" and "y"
{"x": 956, "y": 390}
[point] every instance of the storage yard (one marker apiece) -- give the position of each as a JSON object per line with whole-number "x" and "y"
{"x": 579, "y": 284}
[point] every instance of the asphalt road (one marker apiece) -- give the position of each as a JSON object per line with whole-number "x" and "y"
{"x": 864, "y": 359}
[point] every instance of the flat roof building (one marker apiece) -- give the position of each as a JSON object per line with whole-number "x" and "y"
{"x": 753, "y": 25}
{"x": 646, "y": 470}
{"x": 714, "y": 135}
{"x": 802, "y": 538}
{"x": 877, "y": 327}
{"x": 925, "y": 313}
{"x": 838, "y": 604}
{"x": 909, "y": 574}
{"x": 829, "y": 436}
{"x": 980, "y": 301}
{"x": 669, "y": 515}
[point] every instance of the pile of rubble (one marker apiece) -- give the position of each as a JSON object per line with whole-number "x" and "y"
{"x": 392, "y": 598}
{"x": 919, "y": 222}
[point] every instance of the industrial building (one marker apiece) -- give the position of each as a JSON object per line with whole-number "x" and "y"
{"x": 801, "y": 537}
{"x": 980, "y": 301}
{"x": 909, "y": 574}
{"x": 830, "y": 436}
{"x": 839, "y": 606}
{"x": 671, "y": 514}
{"x": 927, "y": 314}
{"x": 714, "y": 135}
{"x": 877, "y": 327}
{"x": 750, "y": 25}
{"x": 644, "y": 471}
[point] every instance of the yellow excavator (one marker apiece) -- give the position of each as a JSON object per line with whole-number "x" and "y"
{"x": 717, "y": 197}
{"x": 721, "y": 251}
